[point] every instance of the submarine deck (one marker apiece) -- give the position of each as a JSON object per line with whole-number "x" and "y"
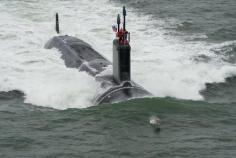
{"x": 78, "y": 54}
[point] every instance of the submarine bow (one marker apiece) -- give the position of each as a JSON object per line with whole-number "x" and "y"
{"x": 78, "y": 54}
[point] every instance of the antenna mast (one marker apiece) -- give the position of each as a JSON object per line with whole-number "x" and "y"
{"x": 57, "y": 24}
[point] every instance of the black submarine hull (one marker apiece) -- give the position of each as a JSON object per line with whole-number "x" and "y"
{"x": 79, "y": 54}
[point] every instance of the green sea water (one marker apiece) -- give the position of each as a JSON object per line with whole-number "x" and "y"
{"x": 188, "y": 129}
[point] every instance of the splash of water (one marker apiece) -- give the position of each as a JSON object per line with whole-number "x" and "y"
{"x": 161, "y": 63}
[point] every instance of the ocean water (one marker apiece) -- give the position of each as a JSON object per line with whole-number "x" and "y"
{"x": 183, "y": 51}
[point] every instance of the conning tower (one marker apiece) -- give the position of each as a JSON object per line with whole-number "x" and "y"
{"x": 121, "y": 52}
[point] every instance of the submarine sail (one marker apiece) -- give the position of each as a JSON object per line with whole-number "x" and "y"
{"x": 78, "y": 54}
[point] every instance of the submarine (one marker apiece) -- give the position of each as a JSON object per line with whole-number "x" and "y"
{"x": 116, "y": 86}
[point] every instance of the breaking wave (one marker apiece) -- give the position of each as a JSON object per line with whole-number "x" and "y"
{"x": 164, "y": 64}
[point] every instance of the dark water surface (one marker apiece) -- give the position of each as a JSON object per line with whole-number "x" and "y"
{"x": 189, "y": 129}
{"x": 216, "y": 19}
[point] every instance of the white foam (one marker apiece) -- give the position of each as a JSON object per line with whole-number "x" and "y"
{"x": 41, "y": 74}
{"x": 161, "y": 63}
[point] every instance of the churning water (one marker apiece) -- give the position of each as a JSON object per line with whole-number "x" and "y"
{"x": 181, "y": 49}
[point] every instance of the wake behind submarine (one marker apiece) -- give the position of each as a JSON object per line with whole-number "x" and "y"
{"x": 78, "y": 54}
